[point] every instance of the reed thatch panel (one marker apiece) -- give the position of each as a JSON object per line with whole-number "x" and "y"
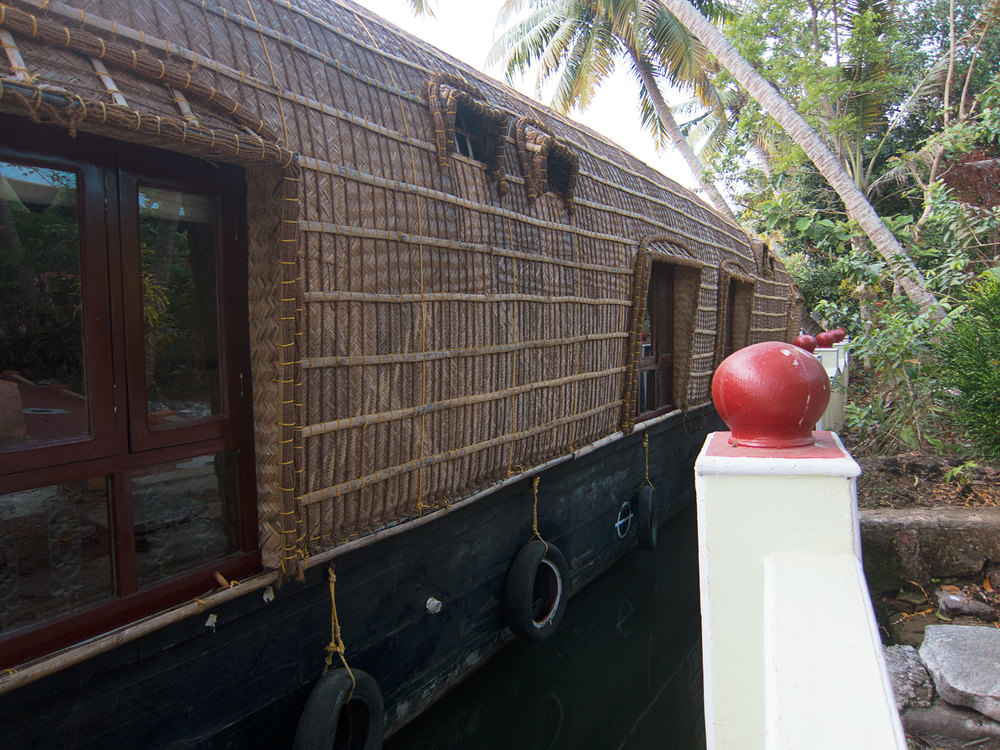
{"x": 264, "y": 197}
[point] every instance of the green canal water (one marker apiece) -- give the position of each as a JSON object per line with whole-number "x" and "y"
{"x": 623, "y": 672}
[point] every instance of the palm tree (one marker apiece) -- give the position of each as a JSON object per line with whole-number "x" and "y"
{"x": 578, "y": 42}
{"x": 858, "y": 207}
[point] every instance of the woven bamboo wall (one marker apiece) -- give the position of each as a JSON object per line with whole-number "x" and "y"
{"x": 425, "y": 325}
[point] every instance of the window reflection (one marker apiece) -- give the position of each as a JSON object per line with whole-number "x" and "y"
{"x": 55, "y": 551}
{"x": 42, "y": 394}
{"x": 184, "y": 514}
{"x": 180, "y": 306}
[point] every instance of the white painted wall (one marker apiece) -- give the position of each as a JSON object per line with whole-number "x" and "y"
{"x": 835, "y": 362}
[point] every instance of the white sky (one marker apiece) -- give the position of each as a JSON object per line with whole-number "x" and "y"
{"x": 464, "y": 29}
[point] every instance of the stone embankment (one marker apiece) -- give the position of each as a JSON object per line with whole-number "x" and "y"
{"x": 927, "y": 567}
{"x": 948, "y": 692}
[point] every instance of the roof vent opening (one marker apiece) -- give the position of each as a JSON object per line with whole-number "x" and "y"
{"x": 547, "y": 163}
{"x": 464, "y": 124}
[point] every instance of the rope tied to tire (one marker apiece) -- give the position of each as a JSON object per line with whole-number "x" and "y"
{"x": 645, "y": 447}
{"x": 536, "y": 534}
{"x": 646, "y": 503}
{"x": 336, "y": 645}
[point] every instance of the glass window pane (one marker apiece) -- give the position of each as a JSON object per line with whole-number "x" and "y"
{"x": 185, "y": 514}
{"x": 55, "y": 551}
{"x": 647, "y": 391}
{"x": 42, "y": 391}
{"x": 646, "y": 331}
{"x": 664, "y": 386}
{"x": 180, "y": 306}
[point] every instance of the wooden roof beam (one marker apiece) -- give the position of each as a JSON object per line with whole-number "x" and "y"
{"x": 17, "y": 66}
{"x": 102, "y": 72}
{"x": 183, "y": 105}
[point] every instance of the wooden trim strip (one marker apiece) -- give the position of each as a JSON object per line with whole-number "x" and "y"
{"x": 382, "y": 234}
{"x": 417, "y": 411}
{"x": 479, "y": 351}
{"x": 330, "y": 493}
{"x": 415, "y": 299}
{"x": 338, "y": 170}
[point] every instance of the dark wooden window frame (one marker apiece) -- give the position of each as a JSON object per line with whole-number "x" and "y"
{"x": 739, "y": 289}
{"x": 120, "y": 442}
{"x": 661, "y": 317}
{"x": 470, "y": 134}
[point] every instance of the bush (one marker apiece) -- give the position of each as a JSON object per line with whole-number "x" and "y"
{"x": 822, "y": 281}
{"x": 895, "y": 405}
{"x": 970, "y": 365}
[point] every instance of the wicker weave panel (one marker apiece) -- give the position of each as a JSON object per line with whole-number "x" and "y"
{"x": 417, "y": 333}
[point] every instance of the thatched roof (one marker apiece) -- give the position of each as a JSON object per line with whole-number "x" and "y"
{"x": 423, "y": 325}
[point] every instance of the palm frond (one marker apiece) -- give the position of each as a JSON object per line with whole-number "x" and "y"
{"x": 898, "y": 174}
{"x": 532, "y": 38}
{"x": 589, "y": 62}
{"x": 422, "y": 7}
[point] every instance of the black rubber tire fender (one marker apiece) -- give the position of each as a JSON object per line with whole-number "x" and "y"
{"x": 646, "y": 521}
{"x": 335, "y": 718}
{"x": 536, "y": 591}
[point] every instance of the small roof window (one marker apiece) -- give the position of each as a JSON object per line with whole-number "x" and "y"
{"x": 465, "y": 124}
{"x": 547, "y": 163}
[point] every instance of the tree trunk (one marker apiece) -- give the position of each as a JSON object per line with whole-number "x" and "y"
{"x": 676, "y": 137}
{"x": 858, "y": 207}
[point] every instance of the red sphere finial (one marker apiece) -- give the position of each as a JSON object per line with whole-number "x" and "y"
{"x": 826, "y": 339}
{"x": 771, "y": 395}
{"x": 805, "y": 341}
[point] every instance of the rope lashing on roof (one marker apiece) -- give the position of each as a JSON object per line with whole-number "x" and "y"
{"x": 141, "y": 62}
{"x": 46, "y": 104}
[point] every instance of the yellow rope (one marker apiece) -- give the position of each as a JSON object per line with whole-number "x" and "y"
{"x": 336, "y": 645}
{"x": 645, "y": 447}
{"x": 421, "y": 505}
{"x": 270, "y": 67}
{"x": 534, "y": 513}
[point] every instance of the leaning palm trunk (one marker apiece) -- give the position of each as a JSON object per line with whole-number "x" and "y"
{"x": 858, "y": 208}
{"x": 676, "y": 137}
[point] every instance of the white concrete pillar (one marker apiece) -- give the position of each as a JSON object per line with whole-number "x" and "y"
{"x": 792, "y": 655}
{"x": 755, "y": 502}
{"x": 844, "y": 362}
{"x": 833, "y": 417}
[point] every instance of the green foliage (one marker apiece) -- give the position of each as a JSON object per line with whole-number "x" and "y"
{"x": 871, "y": 77}
{"x": 961, "y": 474}
{"x": 823, "y": 284}
{"x": 970, "y": 365}
{"x": 898, "y": 408}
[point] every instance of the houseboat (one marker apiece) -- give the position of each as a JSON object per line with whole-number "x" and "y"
{"x": 327, "y": 366}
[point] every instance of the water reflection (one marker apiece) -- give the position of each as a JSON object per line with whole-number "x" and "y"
{"x": 622, "y": 672}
